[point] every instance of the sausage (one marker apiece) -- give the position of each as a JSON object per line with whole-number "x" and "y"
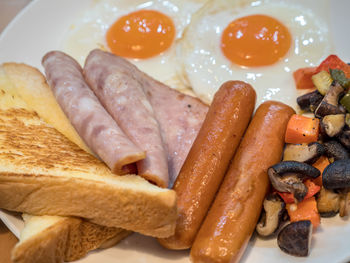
{"x": 232, "y": 218}
{"x": 208, "y": 159}
{"x": 96, "y": 127}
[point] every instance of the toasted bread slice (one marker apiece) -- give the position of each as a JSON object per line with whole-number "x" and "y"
{"x": 53, "y": 176}
{"x": 52, "y": 238}
{"x": 56, "y": 239}
{"x": 32, "y": 87}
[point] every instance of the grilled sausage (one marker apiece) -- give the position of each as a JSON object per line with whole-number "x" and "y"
{"x": 231, "y": 220}
{"x": 208, "y": 159}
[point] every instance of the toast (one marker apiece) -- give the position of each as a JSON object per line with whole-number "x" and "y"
{"x": 52, "y": 238}
{"x": 31, "y": 86}
{"x": 55, "y": 239}
{"x": 53, "y": 176}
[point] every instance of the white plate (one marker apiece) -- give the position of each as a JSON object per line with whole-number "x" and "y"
{"x": 40, "y": 27}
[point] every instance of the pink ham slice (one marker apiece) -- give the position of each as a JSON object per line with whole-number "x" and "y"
{"x": 179, "y": 116}
{"x": 125, "y": 100}
{"x": 92, "y": 122}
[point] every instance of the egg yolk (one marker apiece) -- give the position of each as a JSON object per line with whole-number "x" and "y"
{"x": 256, "y": 40}
{"x": 141, "y": 34}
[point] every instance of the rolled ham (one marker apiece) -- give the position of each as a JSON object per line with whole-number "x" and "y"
{"x": 179, "y": 116}
{"x": 92, "y": 122}
{"x": 124, "y": 98}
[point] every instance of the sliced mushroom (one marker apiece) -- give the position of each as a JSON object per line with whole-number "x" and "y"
{"x": 291, "y": 183}
{"x": 334, "y": 150}
{"x": 304, "y": 170}
{"x": 337, "y": 175}
{"x": 344, "y": 209}
{"x": 330, "y": 105}
{"x": 328, "y": 203}
{"x": 288, "y": 176}
{"x": 347, "y": 119}
{"x": 272, "y": 215}
{"x": 295, "y": 238}
{"x": 333, "y": 124}
{"x": 344, "y": 139}
{"x": 310, "y": 101}
{"x": 306, "y": 153}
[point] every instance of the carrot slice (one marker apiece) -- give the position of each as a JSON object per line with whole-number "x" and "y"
{"x": 313, "y": 189}
{"x": 320, "y": 164}
{"x": 305, "y": 210}
{"x": 302, "y": 78}
{"x": 302, "y": 129}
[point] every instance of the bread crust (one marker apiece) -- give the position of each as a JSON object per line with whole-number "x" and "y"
{"x": 47, "y": 247}
{"x": 67, "y": 240}
{"x": 31, "y": 86}
{"x": 152, "y": 214}
{"x": 46, "y": 187}
{"x": 87, "y": 236}
{"x": 53, "y": 176}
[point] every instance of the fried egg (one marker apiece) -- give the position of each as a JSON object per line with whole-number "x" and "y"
{"x": 145, "y": 32}
{"x": 261, "y": 42}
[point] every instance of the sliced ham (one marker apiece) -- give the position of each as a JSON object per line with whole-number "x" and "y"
{"x": 179, "y": 116}
{"x": 124, "y": 98}
{"x": 92, "y": 122}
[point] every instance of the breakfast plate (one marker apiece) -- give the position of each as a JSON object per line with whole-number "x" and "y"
{"x": 41, "y": 27}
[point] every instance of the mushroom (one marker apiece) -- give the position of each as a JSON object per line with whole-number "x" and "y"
{"x": 328, "y": 203}
{"x": 306, "y": 153}
{"x": 272, "y": 215}
{"x": 295, "y": 238}
{"x": 288, "y": 176}
{"x": 344, "y": 209}
{"x": 329, "y": 104}
{"x": 333, "y": 124}
{"x": 310, "y": 101}
{"x": 337, "y": 175}
{"x": 347, "y": 119}
{"x": 335, "y": 150}
{"x": 344, "y": 139}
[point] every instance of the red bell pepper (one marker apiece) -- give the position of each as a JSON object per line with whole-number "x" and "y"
{"x": 334, "y": 62}
{"x": 302, "y": 76}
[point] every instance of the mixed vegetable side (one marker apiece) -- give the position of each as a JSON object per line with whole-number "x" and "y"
{"x": 313, "y": 179}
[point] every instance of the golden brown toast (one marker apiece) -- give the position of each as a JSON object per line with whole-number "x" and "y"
{"x": 31, "y": 86}
{"x": 53, "y": 176}
{"x": 56, "y": 239}
{"x": 52, "y": 238}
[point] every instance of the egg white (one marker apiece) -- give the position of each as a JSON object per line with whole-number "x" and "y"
{"x": 88, "y": 32}
{"x": 206, "y": 68}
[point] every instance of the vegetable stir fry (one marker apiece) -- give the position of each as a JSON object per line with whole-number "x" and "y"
{"x": 313, "y": 178}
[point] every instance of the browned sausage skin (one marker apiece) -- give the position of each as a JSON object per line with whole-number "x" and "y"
{"x": 208, "y": 159}
{"x": 231, "y": 220}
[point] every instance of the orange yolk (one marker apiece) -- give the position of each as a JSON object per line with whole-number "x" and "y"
{"x": 256, "y": 40}
{"x": 141, "y": 34}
